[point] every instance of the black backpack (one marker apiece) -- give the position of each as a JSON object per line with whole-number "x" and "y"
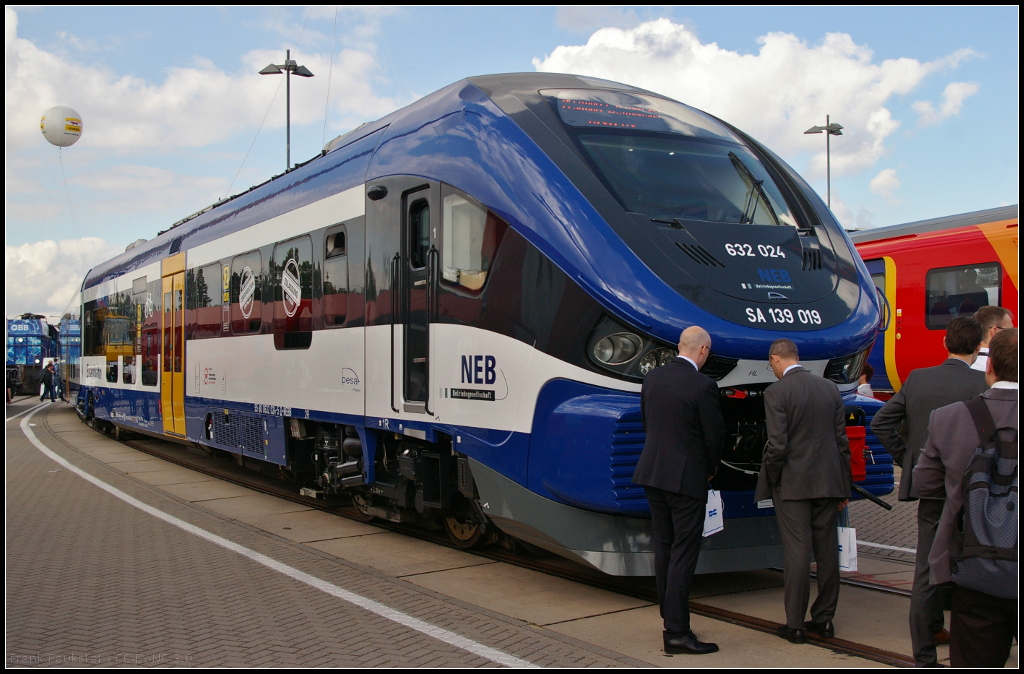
{"x": 984, "y": 551}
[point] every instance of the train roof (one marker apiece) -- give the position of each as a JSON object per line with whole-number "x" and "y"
{"x": 297, "y": 184}
{"x": 936, "y": 224}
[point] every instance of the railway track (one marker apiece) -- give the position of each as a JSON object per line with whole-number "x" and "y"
{"x": 638, "y": 588}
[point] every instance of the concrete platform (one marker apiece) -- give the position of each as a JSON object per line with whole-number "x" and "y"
{"x": 93, "y": 580}
{"x": 89, "y": 574}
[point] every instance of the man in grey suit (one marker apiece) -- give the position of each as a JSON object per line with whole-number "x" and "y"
{"x": 806, "y": 472}
{"x": 902, "y": 428}
{"x": 982, "y": 627}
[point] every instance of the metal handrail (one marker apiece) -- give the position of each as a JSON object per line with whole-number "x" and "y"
{"x": 887, "y": 314}
{"x": 395, "y": 262}
{"x": 431, "y": 298}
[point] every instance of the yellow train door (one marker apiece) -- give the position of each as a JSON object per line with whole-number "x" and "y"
{"x": 172, "y": 383}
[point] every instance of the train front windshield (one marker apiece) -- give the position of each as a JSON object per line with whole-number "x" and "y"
{"x": 668, "y": 178}
{"x": 666, "y": 160}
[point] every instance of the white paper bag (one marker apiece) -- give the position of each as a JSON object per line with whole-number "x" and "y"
{"x": 713, "y": 519}
{"x": 847, "y": 549}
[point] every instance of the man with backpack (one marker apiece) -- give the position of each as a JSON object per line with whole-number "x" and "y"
{"x": 970, "y": 459}
{"x": 902, "y": 428}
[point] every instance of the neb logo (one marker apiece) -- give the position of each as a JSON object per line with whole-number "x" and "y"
{"x": 774, "y": 275}
{"x": 478, "y": 370}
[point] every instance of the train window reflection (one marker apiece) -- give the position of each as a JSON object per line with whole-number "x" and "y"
{"x": 960, "y": 291}
{"x": 150, "y": 354}
{"x": 335, "y": 277}
{"x": 292, "y": 271}
{"x": 168, "y": 340}
{"x": 246, "y": 293}
{"x": 471, "y": 235}
{"x": 676, "y": 177}
{"x": 419, "y": 231}
{"x": 204, "y": 299}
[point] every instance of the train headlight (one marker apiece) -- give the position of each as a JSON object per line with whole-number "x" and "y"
{"x": 617, "y": 349}
{"x": 846, "y": 370}
{"x": 655, "y": 358}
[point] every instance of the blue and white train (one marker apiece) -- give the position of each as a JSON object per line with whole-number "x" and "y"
{"x": 449, "y": 313}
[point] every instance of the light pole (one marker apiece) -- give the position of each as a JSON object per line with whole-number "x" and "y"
{"x": 288, "y": 67}
{"x": 830, "y": 130}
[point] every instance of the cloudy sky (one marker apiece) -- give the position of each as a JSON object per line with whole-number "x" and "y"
{"x": 175, "y": 116}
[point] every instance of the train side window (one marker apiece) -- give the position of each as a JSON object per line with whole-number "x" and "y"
{"x": 335, "y": 276}
{"x": 419, "y": 231}
{"x": 118, "y": 329}
{"x": 292, "y": 271}
{"x": 92, "y": 340}
{"x": 150, "y": 351}
{"x": 204, "y": 295}
{"x": 246, "y": 293}
{"x": 960, "y": 291}
{"x": 130, "y": 373}
{"x": 471, "y": 235}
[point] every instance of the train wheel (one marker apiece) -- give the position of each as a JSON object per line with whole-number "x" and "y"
{"x": 362, "y": 505}
{"x": 464, "y": 534}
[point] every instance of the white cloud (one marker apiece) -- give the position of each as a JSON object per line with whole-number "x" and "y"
{"x": 123, "y": 113}
{"x": 849, "y": 218}
{"x": 41, "y": 277}
{"x": 953, "y": 97}
{"x": 774, "y": 95}
{"x": 130, "y": 188}
{"x": 885, "y": 185}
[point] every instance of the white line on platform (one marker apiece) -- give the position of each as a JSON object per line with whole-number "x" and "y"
{"x": 38, "y": 405}
{"x": 887, "y": 547}
{"x": 438, "y": 633}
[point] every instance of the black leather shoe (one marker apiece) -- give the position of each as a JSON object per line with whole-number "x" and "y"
{"x": 825, "y": 630}
{"x": 688, "y": 643}
{"x": 794, "y": 636}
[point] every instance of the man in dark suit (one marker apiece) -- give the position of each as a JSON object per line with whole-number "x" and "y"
{"x": 902, "y": 428}
{"x": 982, "y": 626}
{"x": 806, "y": 472}
{"x": 682, "y": 417}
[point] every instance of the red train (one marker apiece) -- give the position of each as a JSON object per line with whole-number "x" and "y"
{"x": 930, "y": 272}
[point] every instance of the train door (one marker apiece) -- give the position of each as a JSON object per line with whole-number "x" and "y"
{"x": 172, "y": 383}
{"x": 883, "y": 354}
{"x": 417, "y": 284}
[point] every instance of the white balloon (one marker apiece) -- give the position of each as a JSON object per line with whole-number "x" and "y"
{"x": 61, "y": 125}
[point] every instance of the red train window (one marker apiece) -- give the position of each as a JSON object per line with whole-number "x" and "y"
{"x": 960, "y": 291}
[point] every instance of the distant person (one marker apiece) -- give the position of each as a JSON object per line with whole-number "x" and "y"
{"x": 682, "y": 417}
{"x": 982, "y": 625}
{"x": 864, "y": 383}
{"x": 47, "y": 380}
{"x": 901, "y": 425}
{"x": 806, "y": 473}
{"x": 11, "y": 378}
{"x": 992, "y": 319}
{"x": 58, "y": 383}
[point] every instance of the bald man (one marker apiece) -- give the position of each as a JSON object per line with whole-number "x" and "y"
{"x": 685, "y": 434}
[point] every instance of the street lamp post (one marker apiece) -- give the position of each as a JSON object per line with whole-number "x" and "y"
{"x": 288, "y": 67}
{"x": 830, "y": 130}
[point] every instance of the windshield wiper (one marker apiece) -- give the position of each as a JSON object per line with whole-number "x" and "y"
{"x": 756, "y": 189}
